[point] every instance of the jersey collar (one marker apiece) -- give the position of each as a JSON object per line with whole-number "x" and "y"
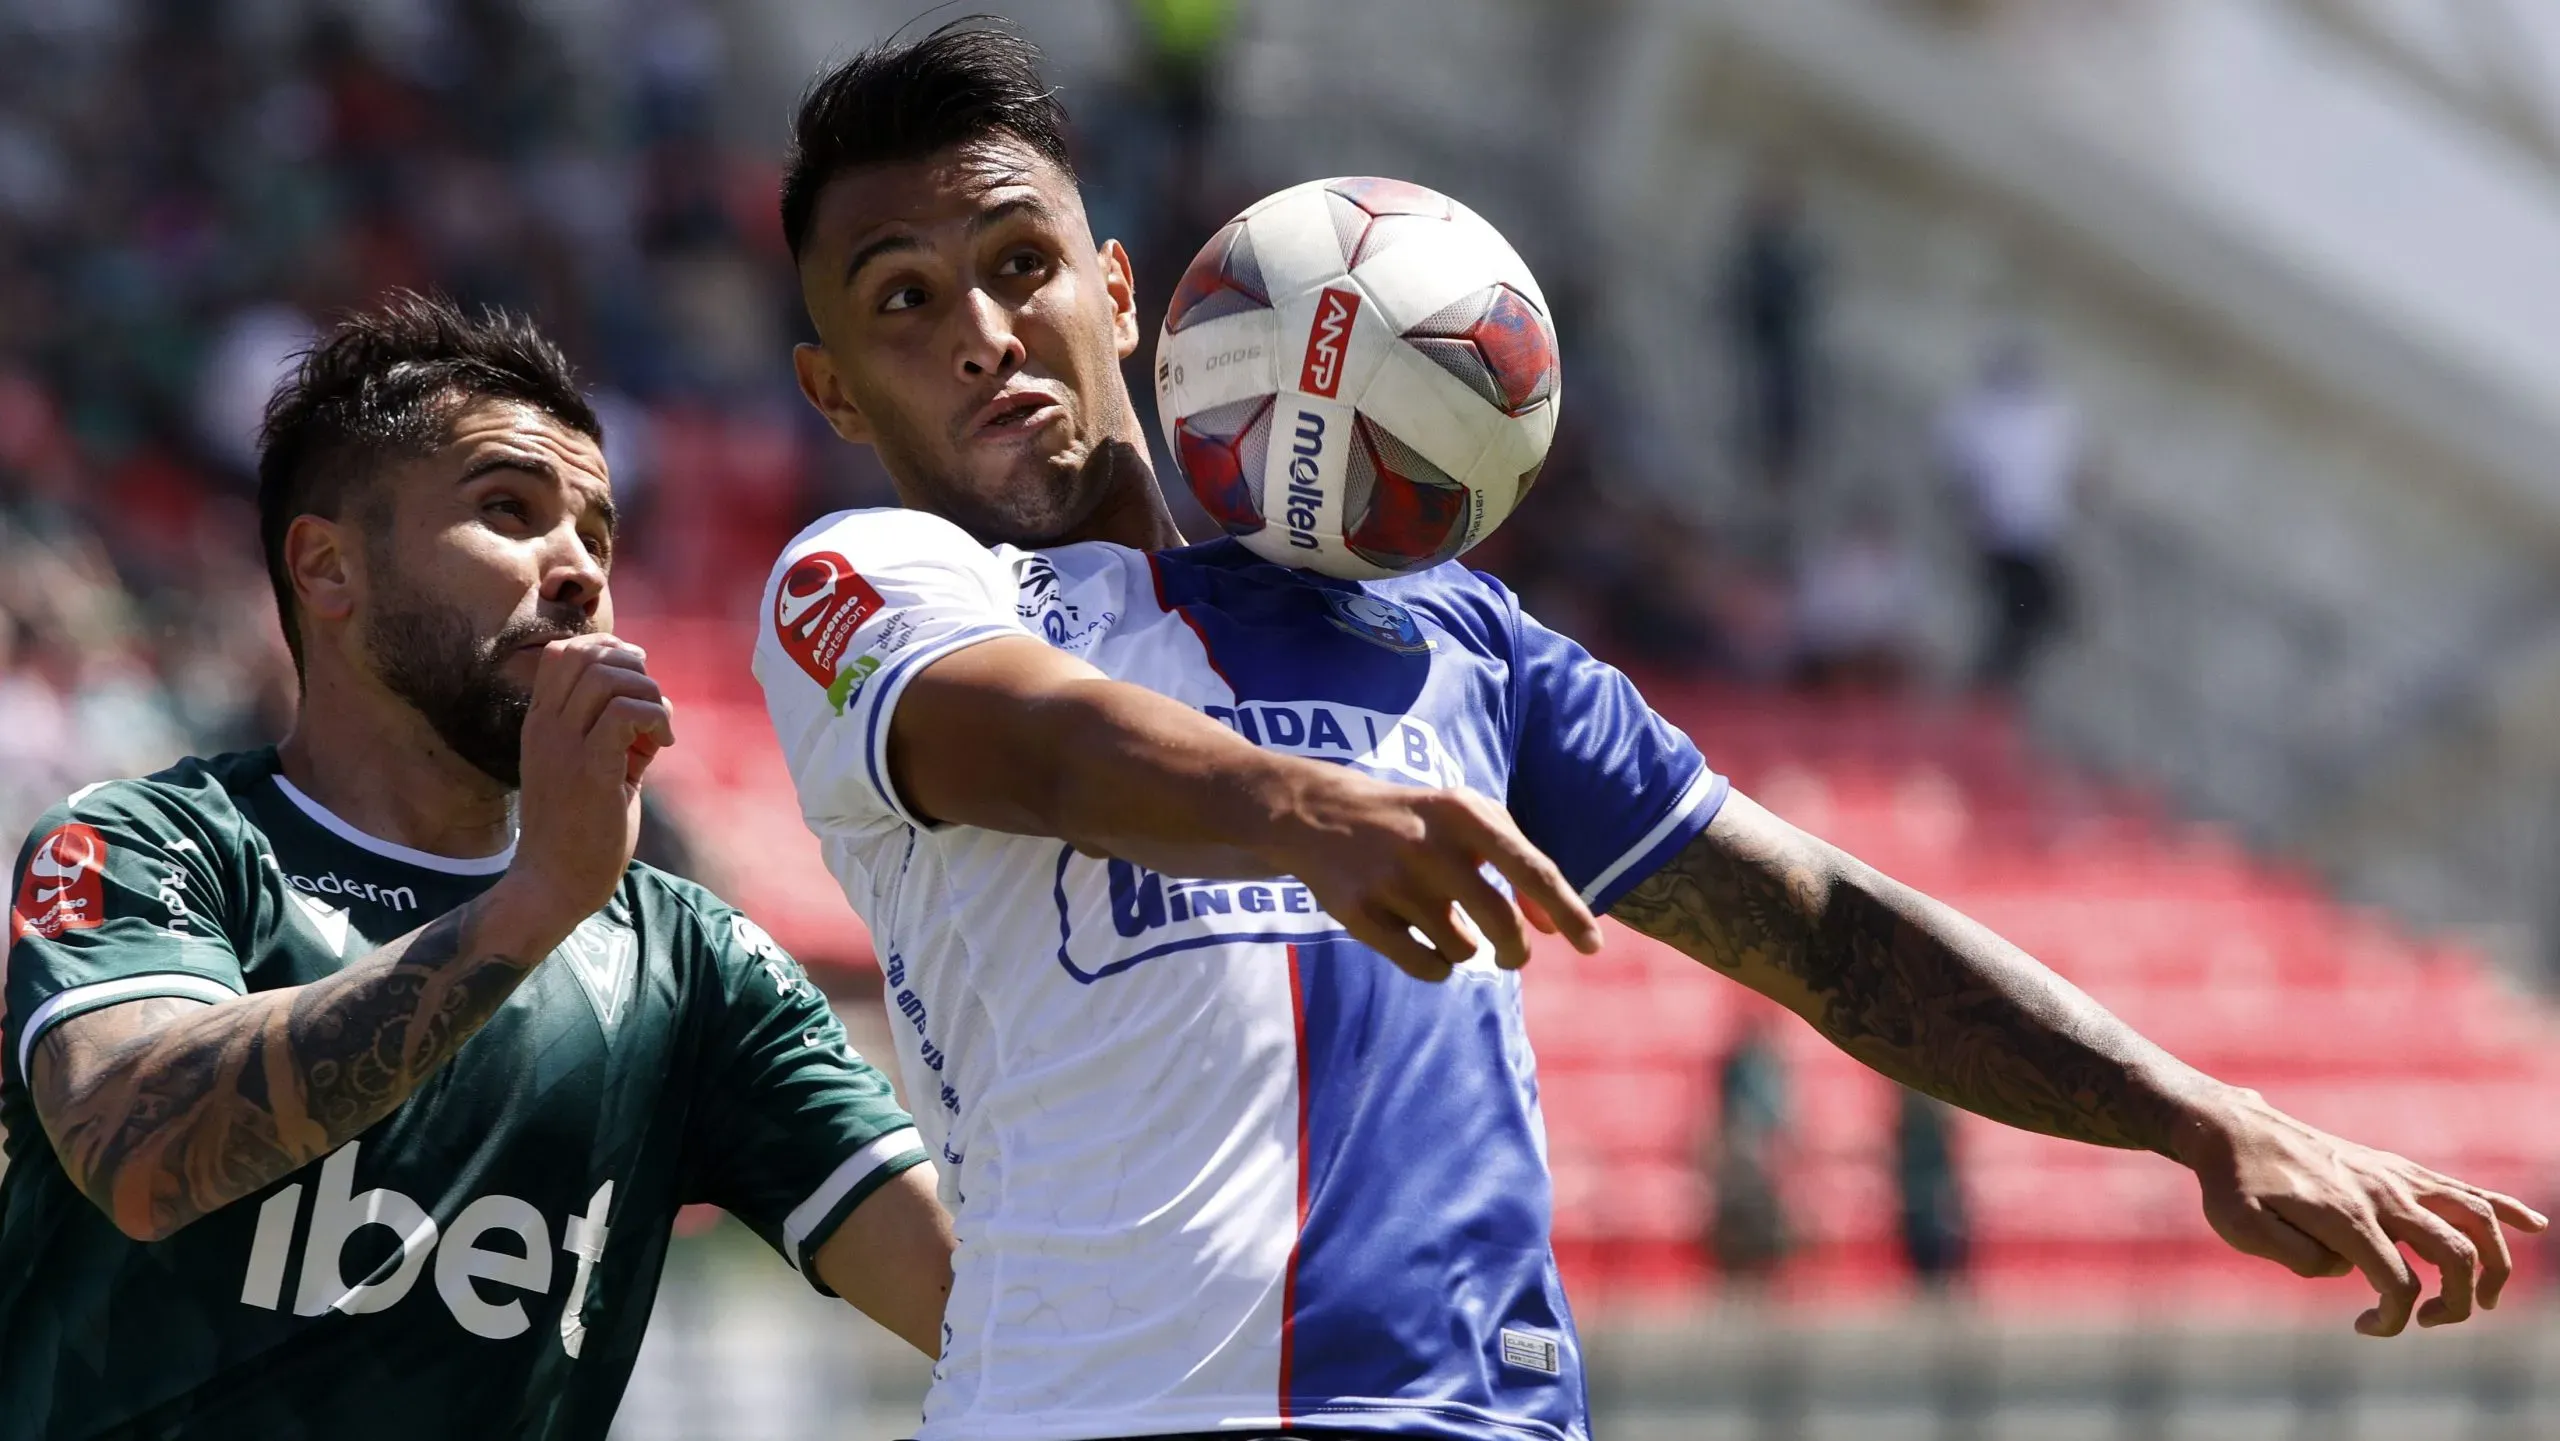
{"x": 336, "y": 825}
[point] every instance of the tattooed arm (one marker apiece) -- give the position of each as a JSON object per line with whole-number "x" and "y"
{"x": 162, "y": 1113}
{"x": 1935, "y": 1000}
{"x": 163, "y": 1110}
{"x": 1910, "y": 987}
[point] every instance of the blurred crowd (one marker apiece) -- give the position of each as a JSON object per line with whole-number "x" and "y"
{"x": 188, "y": 191}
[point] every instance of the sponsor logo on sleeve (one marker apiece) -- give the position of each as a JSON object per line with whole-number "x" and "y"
{"x": 821, "y": 602}
{"x": 1328, "y": 343}
{"x": 789, "y": 981}
{"x": 848, "y": 681}
{"x": 65, "y": 887}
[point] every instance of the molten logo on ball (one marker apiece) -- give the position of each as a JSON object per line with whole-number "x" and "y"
{"x": 1327, "y": 342}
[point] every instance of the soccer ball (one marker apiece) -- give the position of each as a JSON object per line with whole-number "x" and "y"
{"x": 1358, "y": 376}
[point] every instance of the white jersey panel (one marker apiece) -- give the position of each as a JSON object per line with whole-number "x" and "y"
{"x": 1119, "y": 1151}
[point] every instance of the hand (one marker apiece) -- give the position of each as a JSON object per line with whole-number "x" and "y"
{"x": 2322, "y": 1206}
{"x": 1388, "y": 860}
{"x": 596, "y": 719}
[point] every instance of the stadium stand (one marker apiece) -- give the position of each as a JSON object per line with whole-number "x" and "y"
{"x": 2244, "y": 968}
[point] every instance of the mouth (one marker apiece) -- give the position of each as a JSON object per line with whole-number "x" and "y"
{"x": 1014, "y": 413}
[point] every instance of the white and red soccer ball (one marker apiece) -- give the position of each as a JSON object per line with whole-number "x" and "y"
{"x": 1358, "y": 377}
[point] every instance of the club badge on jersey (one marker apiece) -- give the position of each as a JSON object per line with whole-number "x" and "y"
{"x": 1376, "y": 620}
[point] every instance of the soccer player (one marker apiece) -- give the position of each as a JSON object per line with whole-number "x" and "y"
{"x": 353, "y": 1084}
{"x": 1221, "y": 1157}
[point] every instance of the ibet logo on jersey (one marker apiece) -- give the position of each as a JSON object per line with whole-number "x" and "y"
{"x": 468, "y": 1275}
{"x": 65, "y": 887}
{"x": 1328, "y": 343}
{"x": 822, "y": 601}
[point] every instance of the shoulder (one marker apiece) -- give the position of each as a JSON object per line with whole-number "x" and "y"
{"x": 690, "y": 915}
{"x": 883, "y": 536}
{"x": 195, "y": 800}
{"x": 1474, "y": 606}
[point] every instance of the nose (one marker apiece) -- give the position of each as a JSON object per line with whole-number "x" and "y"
{"x": 572, "y": 578}
{"x": 988, "y": 345}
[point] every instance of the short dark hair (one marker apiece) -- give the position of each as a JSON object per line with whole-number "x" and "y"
{"x": 384, "y": 385}
{"x": 898, "y": 101}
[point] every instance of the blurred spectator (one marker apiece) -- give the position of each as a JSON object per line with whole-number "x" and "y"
{"x": 2013, "y": 442}
{"x": 253, "y": 350}
{"x": 1858, "y": 598}
{"x": 1936, "y": 1235}
{"x": 186, "y": 192}
{"x": 1749, "y": 1235}
{"x": 1772, "y": 304}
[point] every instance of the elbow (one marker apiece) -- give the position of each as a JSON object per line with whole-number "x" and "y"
{"x": 133, "y": 1216}
{"x": 144, "y": 1229}
{"x": 149, "y": 1228}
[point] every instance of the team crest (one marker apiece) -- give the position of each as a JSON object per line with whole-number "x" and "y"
{"x": 605, "y": 957}
{"x": 1376, "y": 620}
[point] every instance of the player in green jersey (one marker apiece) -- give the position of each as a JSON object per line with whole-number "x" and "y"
{"x": 352, "y": 1085}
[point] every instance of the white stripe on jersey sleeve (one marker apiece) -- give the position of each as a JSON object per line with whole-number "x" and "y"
{"x": 182, "y": 984}
{"x": 895, "y": 1146}
{"x": 1700, "y": 788}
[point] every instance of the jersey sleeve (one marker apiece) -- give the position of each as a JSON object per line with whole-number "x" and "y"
{"x": 116, "y": 897}
{"x": 791, "y": 1130}
{"x": 858, "y": 605}
{"x": 1602, "y": 784}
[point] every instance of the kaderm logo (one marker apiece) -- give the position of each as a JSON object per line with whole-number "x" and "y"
{"x": 821, "y": 602}
{"x": 65, "y": 887}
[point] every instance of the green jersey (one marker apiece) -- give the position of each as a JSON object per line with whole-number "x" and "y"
{"x": 480, "y": 1262}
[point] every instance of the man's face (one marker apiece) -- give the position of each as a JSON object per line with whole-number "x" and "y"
{"x": 970, "y": 331}
{"x": 485, "y": 551}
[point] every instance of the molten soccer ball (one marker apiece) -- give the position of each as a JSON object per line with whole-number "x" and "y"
{"x": 1358, "y": 377}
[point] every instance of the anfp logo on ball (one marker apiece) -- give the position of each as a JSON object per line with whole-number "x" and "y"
{"x": 1328, "y": 341}
{"x": 822, "y": 601}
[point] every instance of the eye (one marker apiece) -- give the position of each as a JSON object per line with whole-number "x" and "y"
{"x": 506, "y": 505}
{"x": 905, "y": 297}
{"x": 1023, "y": 262}
{"x": 598, "y": 546}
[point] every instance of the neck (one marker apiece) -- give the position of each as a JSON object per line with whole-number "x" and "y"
{"x": 1132, "y": 510}
{"x": 375, "y": 762}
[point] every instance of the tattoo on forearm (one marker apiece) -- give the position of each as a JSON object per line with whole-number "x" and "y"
{"x": 174, "y": 1109}
{"x": 1906, "y": 985}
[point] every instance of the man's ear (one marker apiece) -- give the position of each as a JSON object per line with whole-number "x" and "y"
{"x": 321, "y": 562}
{"x": 825, "y": 390}
{"x": 1122, "y": 286}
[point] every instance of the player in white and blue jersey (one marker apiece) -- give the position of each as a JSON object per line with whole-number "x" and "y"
{"x": 1237, "y": 1119}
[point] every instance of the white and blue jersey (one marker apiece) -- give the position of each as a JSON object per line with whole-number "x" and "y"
{"x": 1214, "y": 1164}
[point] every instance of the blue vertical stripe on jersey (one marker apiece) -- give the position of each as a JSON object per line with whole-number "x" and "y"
{"x": 1426, "y": 1207}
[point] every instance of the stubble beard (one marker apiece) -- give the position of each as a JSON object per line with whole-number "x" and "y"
{"x": 429, "y": 654}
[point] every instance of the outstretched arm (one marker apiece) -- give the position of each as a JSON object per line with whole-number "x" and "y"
{"x": 1012, "y": 735}
{"x": 1935, "y": 1000}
